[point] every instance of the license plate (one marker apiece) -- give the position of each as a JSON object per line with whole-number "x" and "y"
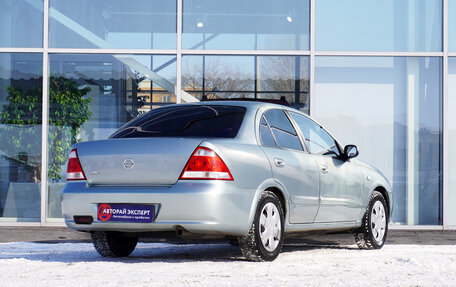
{"x": 125, "y": 212}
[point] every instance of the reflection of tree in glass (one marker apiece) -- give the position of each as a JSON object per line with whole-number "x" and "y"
{"x": 280, "y": 74}
{"x": 68, "y": 111}
{"x": 275, "y": 77}
{"x": 222, "y": 78}
{"x": 277, "y": 74}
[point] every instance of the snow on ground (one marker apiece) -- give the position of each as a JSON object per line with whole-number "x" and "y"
{"x": 159, "y": 264}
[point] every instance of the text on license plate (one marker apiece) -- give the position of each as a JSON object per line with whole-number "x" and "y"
{"x": 125, "y": 212}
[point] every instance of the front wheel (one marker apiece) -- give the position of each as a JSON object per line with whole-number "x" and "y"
{"x": 374, "y": 229}
{"x": 113, "y": 244}
{"x": 265, "y": 238}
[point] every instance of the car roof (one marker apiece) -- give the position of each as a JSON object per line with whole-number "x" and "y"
{"x": 243, "y": 103}
{"x": 250, "y": 105}
{"x": 255, "y": 105}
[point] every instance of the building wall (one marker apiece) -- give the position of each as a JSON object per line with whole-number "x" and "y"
{"x": 380, "y": 74}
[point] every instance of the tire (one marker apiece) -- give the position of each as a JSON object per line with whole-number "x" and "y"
{"x": 374, "y": 229}
{"x": 261, "y": 244}
{"x": 113, "y": 244}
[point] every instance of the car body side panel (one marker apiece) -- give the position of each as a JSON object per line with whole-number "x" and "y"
{"x": 299, "y": 175}
{"x": 248, "y": 165}
{"x": 322, "y": 226}
{"x": 246, "y": 162}
{"x": 341, "y": 190}
{"x": 374, "y": 179}
{"x": 271, "y": 184}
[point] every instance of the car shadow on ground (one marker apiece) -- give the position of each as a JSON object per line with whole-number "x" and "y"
{"x": 72, "y": 253}
{"x": 144, "y": 253}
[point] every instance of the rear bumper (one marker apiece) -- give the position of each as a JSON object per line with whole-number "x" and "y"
{"x": 206, "y": 207}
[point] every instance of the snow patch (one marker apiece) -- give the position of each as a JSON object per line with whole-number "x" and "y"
{"x": 160, "y": 264}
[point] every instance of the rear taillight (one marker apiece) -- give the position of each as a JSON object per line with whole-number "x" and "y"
{"x": 206, "y": 164}
{"x": 74, "y": 170}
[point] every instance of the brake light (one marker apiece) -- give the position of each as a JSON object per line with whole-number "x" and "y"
{"x": 206, "y": 164}
{"x": 74, "y": 170}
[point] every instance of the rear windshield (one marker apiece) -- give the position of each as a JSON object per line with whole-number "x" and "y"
{"x": 186, "y": 121}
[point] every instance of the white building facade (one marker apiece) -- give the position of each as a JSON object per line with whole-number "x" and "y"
{"x": 379, "y": 74}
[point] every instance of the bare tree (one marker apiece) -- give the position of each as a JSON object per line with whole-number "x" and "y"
{"x": 276, "y": 76}
{"x": 220, "y": 79}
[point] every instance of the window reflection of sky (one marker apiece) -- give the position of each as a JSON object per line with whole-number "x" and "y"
{"x": 372, "y": 25}
{"x": 368, "y": 101}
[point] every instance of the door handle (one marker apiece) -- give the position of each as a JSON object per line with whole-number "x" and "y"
{"x": 324, "y": 168}
{"x": 279, "y": 162}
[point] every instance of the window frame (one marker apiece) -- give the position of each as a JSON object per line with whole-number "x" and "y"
{"x": 303, "y": 138}
{"x": 293, "y": 124}
{"x": 269, "y": 128}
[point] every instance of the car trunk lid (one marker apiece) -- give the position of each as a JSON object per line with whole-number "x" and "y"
{"x": 135, "y": 161}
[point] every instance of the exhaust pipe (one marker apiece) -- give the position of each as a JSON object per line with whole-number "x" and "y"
{"x": 183, "y": 233}
{"x": 179, "y": 231}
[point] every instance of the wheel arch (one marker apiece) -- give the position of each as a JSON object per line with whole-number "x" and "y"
{"x": 384, "y": 192}
{"x": 274, "y": 187}
{"x": 281, "y": 197}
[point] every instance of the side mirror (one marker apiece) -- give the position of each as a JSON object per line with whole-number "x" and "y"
{"x": 351, "y": 151}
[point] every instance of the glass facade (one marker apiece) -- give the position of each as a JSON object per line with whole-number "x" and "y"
{"x": 246, "y": 25}
{"x": 372, "y": 72}
{"x": 266, "y": 77}
{"x": 372, "y": 25}
{"x": 391, "y": 108}
{"x": 20, "y": 130}
{"x": 451, "y": 129}
{"x": 452, "y": 25}
{"x": 105, "y": 92}
{"x": 134, "y": 24}
{"x": 21, "y": 23}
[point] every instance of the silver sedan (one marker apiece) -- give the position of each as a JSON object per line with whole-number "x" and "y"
{"x": 247, "y": 170}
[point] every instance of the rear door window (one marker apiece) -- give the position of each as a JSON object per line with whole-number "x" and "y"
{"x": 186, "y": 121}
{"x": 265, "y": 134}
{"x": 282, "y": 129}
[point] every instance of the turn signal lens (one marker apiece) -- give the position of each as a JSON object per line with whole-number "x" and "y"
{"x": 74, "y": 170}
{"x": 206, "y": 164}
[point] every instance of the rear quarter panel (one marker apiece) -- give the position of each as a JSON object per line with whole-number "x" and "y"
{"x": 246, "y": 162}
{"x": 245, "y": 159}
{"x": 243, "y": 156}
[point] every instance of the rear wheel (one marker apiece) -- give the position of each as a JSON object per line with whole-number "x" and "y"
{"x": 113, "y": 244}
{"x": 374, "y": 229}
{"x": 265, "y": 238}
